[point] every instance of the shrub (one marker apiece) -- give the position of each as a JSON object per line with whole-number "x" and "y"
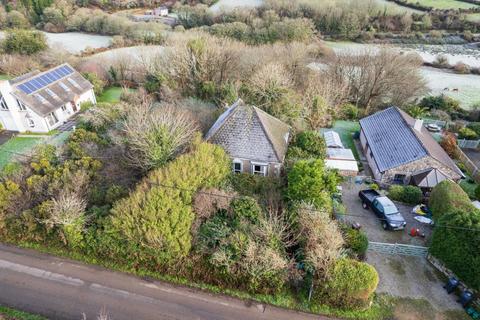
{"x": 395, "y": 192}
{"x": 164, "y": 211}
{"x": 446, "y": 197}
{"x": 467, "y": 133}
{"x": 440, "y": 102}
{"x": 449, "y": 144}
{"x": 357, "y": 241}
{"x": 350, "y": 285}
{"x": 246, "y": 207}
{"x": 24, "y": 42}
{"x": 458, "y": 248}
{"x": 412, "y": 195}
{"x": 311, "y": 182}
{"x": 350, "y": 111}
{"x": 461, "y": 68}
{"x": 98, "y": 84}
{"x": 307, "y": 145}
{"x": 475, "y": 126}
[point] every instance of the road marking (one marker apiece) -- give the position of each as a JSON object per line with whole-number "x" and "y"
{"x": 39, "y": 273}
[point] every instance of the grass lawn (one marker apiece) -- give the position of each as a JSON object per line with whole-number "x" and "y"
{"x": 346, "y": 129}
{"x": 16, "y": 144}
{"x": 444, "y": 4}
{"x": 4, "y": 77}
{"x": 110, "y": 95}
{"x": 11, "y": 314}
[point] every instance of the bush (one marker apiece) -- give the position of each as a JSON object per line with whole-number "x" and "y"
{"x": 246, "y": 207}
{"x": 311, "y": 182}
{"x": 475, "y": 126}
{"x": 458, "y": 249}
{"x": 307, "y": 145}
{"x": 357, "y": 241}
{"x": 395, "y": 192}
{"x": 412, "y": 195}
{"x": 350, "y": 111}
{"x": 446, "y": 197}
{"x": 164, "y": 211}
{"x": 440, "y": 102}
{"x": 351, "y": 285}
{"x": 467, "y": 133}
{"x": 449, "y": 144}
{"x": 24, "y": 42}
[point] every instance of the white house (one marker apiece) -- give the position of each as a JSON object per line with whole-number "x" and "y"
{"x": 42, "y": 101}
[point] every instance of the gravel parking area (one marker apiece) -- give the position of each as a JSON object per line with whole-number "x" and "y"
{"x": 371, "y": 224}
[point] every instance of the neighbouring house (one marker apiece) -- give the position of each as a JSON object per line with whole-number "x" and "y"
{"x": 256, "y": 141}
{"x": 338, "y": 157}
{"x": 400, "y": 150}
{"x": 42, "y": 101}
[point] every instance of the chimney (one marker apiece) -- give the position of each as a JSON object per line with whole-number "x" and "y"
{"x": 418, "y": 125}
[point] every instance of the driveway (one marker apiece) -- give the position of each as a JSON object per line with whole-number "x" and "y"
{"x": 5, "y": 136}
{"x": 371, "y": 224}
{"x": 62, "y": 289}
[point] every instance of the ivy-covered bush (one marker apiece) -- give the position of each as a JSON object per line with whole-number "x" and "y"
{"x": 446, "y": 197}
{"x": 456, "y": 242}
{"x": 153, "y": 223}
{"x": 351, "y": 284}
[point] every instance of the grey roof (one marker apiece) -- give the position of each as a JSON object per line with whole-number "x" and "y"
{"x": 394, "y": 142}
{"x": 61, "y": 96}
{"x": 247, "y": 132}
{"x": 332, "y": 139}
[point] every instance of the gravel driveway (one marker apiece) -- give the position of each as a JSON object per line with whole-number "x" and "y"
{"x": 371, "y": 224}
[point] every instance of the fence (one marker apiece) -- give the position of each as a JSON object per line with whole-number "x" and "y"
{"x": 397, "y": 248}
{"x": 472, "y": 169}
{"x": 440, "y": 123}
{"x": 468, "y": 144}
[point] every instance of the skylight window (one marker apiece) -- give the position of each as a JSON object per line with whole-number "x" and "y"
{"x": 40, "y": 98}
{"x": 52, "y": 94}
{"x": 73, "y": 82}
{"x": 64, "y": 86}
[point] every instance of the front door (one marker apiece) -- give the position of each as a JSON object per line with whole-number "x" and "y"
{"x": 74, "y": 106}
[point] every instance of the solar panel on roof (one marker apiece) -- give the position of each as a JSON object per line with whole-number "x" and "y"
{"x": 46, "y": 79}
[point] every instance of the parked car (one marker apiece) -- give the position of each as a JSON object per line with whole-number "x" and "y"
{"x": 432, "y": 127}
{"x": 383, "y": 208}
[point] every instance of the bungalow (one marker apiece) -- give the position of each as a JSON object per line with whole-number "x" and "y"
{"x": 42, "y": 101}
{"x": 256, "y": 141}
{"x": 399, "y": 149}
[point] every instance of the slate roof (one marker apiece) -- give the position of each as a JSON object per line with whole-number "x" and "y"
{"x": 394, "y": 142}
{"x": 246, "y": 132}
{"x": 61, "y": 96}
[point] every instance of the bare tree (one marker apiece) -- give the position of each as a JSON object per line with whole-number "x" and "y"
{"x": 155, "y": 134}
{"x": 379, "y": 77}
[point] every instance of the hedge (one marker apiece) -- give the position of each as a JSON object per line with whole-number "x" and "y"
{"x": 407, "y": 194}
{"x": 459, "y": 249}
{"x": 351, "y": 284}
{"x": 446, "y": 197}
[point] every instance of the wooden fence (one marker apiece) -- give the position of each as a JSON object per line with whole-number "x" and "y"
{"x": 472, "y": 169}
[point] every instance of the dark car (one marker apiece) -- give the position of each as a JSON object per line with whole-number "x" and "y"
{"x": 384, "y": 208}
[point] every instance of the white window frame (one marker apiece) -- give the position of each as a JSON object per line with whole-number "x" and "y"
{"x": 263, "y": 168}
{"x": 21, "y": 106}
{"x": 52, "y": 116}
{"x": 64, "y": 108}
{"x": 235, "y": 162}
{"x": 31, "y": 123}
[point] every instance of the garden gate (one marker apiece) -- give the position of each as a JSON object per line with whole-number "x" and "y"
{"x": 397, "y": 248}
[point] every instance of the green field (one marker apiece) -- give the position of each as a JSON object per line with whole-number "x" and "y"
{"x": 473, "y": 17}
{"x": 5, "y": 77}
{"x": 346, "y": 129}
{"x": 444, "y": 4}
{"x": 15, "y": 147}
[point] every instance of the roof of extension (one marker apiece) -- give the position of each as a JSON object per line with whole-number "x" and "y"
{"x": 246, "y": 132}
{"x": 44, "y": 92}
{"x": 394, "y": 142}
